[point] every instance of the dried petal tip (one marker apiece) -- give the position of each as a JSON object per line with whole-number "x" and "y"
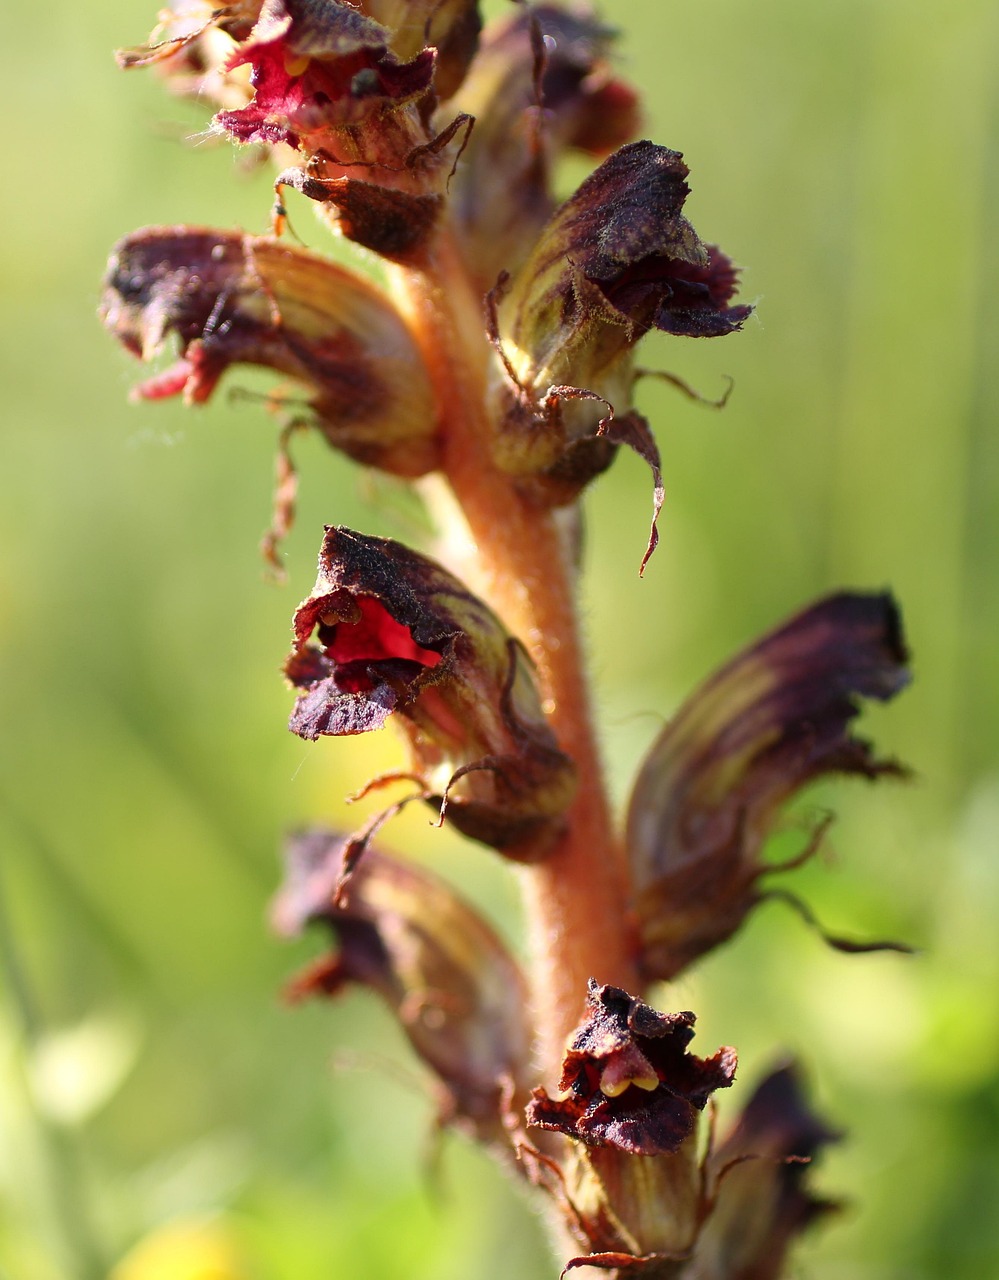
{"x": 387, "y": 631}
{"x": 775, "y": 718}
{"x": 244, "y": 300}
{"x": 628, "y": 1078}
{"x": 454, "y": 987}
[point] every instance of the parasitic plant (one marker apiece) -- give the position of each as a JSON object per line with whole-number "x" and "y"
{"x": 496, "y": 367}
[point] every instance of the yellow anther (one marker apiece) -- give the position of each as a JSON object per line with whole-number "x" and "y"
{"x": 614, "y": 1085}
{"x": 295, "y": 65}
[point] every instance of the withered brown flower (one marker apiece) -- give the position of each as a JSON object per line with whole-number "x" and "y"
{"x": 616, "y": 260}
{"x": 234, "y": 299}
{"x": 775, "y": 718}
{"x": 632, "y": 1187}
{"x": 386, "y": 631}
{"x": 628, "y": 1079}
{"x": 456, "y": 991}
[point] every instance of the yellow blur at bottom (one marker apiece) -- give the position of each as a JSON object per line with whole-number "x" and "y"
{"x": 183, "y": 1250}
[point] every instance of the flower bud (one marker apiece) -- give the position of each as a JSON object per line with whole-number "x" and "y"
{"x": 707, "y": 797}
{"x": 631, "y": 1099}
{"x": 234, "y": 299}
{"x": 386, "y": 631}
{"x": 457, "y": 992}
{"x": 539, "y": 85}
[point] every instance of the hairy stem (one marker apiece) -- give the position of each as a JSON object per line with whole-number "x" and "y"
{"x": 576, "y": 898}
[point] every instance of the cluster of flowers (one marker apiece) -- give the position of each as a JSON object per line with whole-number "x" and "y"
{"x": 502, "y": 355}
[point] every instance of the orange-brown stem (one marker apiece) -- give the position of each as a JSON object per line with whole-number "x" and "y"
{"x": 576, "y": 899}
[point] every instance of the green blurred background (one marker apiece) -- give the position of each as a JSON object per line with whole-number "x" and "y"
{"x": 156, "y": 1098}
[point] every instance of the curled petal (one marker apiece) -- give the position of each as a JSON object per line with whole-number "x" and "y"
{"x": 774, "y": 719}
{"x": 540, "y": 84}
{"x": 616, "y": 260}
{"x": 761, "y": 1201}
{"x": 458, "y": 994}
{"x": 627, "y": 1078}
{"x": 232, "y": 299}
{"x": 386, "y": 631}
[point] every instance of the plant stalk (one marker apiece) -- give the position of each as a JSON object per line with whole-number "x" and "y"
{"x": 576, "y": 897}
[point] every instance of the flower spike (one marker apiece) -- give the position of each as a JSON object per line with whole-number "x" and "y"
{"x": 497, "y": 359}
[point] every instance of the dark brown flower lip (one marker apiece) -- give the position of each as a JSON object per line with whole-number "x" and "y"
{"x": 367, "y": 639}
{"x": 617, "y": 259}
{"x": 628, "y": 1078}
